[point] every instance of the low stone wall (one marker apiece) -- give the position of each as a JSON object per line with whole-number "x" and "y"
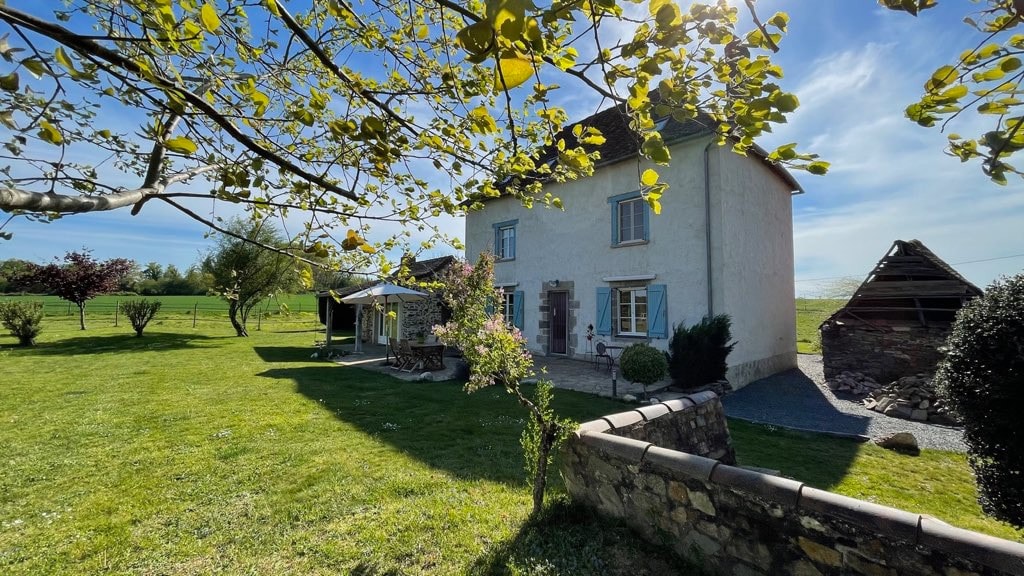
{"x": 884, "y": 355}
{"x": 742, "y": 522}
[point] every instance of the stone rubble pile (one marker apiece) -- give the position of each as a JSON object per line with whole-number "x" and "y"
{"x": 911, "y": 398}
{"x": 853, "y": 383}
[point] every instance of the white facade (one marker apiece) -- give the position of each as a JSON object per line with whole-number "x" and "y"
{"x": 751, "y": 273}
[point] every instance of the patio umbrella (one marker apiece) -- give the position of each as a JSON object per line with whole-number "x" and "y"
{"x": 386, "y": 293}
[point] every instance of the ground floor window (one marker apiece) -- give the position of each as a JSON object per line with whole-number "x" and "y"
{"x": 508, "y": 307}
{"x": 631, "y": 311}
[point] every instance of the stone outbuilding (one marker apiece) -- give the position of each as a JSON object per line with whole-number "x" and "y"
{"x": 411, "y": 318}
{"x": 897, "y": 320}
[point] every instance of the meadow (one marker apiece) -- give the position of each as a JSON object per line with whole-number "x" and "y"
{"x": 192, "y": 451}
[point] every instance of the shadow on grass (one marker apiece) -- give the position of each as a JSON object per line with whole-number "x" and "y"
{"x": 570, "y": 540}
{"x": 819, "y": 460}
{"x": 472, "y": 436}
{"x": 120, "y": 343}
{"x": 284, "y": 353}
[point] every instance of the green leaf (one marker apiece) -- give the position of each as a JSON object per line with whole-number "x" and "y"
{"x": 62, "y": 58}
{"x": 35, "y": 66}
{"x": 1009, "y": 64}
{"x": 10, "y": 82}
{"x": 818, "y": 167}
{"x": 786, "y": 102}
{"x": 649, "y": 177}
{"x": 49, "y": 133}
{"x": 181, "y": 145}
{"x": 511, "y": 72}
{"x": 261, "y": 101}
{"x": 208, "y": 15}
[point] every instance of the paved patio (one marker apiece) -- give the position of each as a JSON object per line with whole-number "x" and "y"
{"x": 565, "y": 373}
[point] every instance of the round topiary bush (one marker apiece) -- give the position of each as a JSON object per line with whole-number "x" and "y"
{"x": 982, "y": 379}
{"x": 643, "y": 364}
{"x": 23, "y": 320}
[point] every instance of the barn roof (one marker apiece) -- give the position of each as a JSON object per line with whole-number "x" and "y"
{"x": 909, "y": 285}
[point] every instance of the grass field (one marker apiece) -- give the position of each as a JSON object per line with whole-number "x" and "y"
{"x": 192, "y": 451}
{"x": 103, "y": 305}
{"x": 810, "y": 313}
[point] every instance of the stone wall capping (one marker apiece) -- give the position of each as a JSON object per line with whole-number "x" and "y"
{"x": 669, "y": 469}
{"x": 599, "y": 425}
{"x": 653, "y": 411}
{"x": 690, "y": 465}
{"x": 773, "y": 488}
{"x": 881, "y": 519}
{"x": 699, "y": 398}
{"x": 623, "y": 419}
{"x": 678, "y": 405}
{"x": 993, "y": 552}
{"x": 626, "y": 448}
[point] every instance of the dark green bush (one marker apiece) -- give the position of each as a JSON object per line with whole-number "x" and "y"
{"x": 643, "y": 364}
{"x": 697, "y": 355}
{"x": 982, "y": 379}
{"x": 23, "y": 319}
{"x": 140, "y": 312}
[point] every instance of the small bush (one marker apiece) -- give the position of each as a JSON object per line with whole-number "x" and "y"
{"x": 697, "y": 355}
{"x": 23, "y": 319}
{"x": 643, "y": 364}
{"x": 982, "y": 379}
{"x": 140, "y": 312}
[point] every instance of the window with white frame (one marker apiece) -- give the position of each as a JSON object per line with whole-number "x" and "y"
{"x": 508, "y": 307}
{"x": 631, "y": 311}
{"x": 631, "y": 220}
{"x": 505, "y": 241}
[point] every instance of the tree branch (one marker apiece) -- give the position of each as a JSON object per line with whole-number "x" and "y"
{"x": 76, "y": 42}
{"x": 12, "y": 199}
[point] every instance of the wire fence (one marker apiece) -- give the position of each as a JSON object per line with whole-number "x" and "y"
{"x": 200, "y": 312}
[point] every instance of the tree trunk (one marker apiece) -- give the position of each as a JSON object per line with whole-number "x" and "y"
{"x": 239, "y": 325}
{"x": 81, "y": 314}
{"x": 547, "y": 441}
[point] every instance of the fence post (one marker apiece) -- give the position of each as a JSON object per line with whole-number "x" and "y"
{"x": 195, "y": 310}
{"x": 117, "y": 310}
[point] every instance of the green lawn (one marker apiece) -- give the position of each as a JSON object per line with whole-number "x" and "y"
{"x": 197, "y": 452}
{"x": 191, "y": 451}
{"x": 204, "y": 305}
{"x": 810, "y": 313}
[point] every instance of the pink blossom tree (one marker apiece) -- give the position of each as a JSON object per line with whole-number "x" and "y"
{"x": 497, "y": 355}
{"x": 81, "y": 278}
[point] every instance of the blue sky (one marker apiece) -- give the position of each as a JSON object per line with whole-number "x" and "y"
{"x": 854, "y": 67}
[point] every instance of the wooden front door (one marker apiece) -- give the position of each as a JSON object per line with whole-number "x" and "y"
{"x": 558, "y": 304}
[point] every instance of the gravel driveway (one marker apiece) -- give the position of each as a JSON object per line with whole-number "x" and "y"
{"x": 799, "y": 399}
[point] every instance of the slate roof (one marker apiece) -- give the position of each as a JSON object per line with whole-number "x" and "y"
{"x": 622, "y": 143}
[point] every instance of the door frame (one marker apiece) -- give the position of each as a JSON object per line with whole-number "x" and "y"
{"x": 562, "y": 295}
{"x": 380, "y": 334}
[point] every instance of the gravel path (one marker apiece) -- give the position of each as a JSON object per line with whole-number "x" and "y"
{"x": 799, "y": 399}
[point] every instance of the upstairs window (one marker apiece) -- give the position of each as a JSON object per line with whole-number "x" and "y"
{"x": 505, "y": 240}
{"x": 630, "y": 223}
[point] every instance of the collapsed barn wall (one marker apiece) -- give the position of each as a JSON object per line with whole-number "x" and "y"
{"x": 883, "y": 354}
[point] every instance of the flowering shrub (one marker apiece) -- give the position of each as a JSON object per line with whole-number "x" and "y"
{"x": 496, "y": 354}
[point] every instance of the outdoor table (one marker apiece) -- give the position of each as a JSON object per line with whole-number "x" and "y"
{"x": 613, "y": 351}
{"x": 430, "y": 356}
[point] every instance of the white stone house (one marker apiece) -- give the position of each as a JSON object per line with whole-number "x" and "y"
{"x": 723, "y": 243}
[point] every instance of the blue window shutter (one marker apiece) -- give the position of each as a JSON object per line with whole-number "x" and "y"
{"x": 615, "y": 224}
{"x": 604, "y": 311}
{"x": 517, "y": 309}
{"x": 497, "y": 243}
{"x": 657, "y": 302}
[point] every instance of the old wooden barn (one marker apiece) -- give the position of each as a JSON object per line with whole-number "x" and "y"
{"x": 898, "y": 318}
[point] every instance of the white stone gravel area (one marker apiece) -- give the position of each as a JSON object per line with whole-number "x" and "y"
{"x": 799, "y": 398}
